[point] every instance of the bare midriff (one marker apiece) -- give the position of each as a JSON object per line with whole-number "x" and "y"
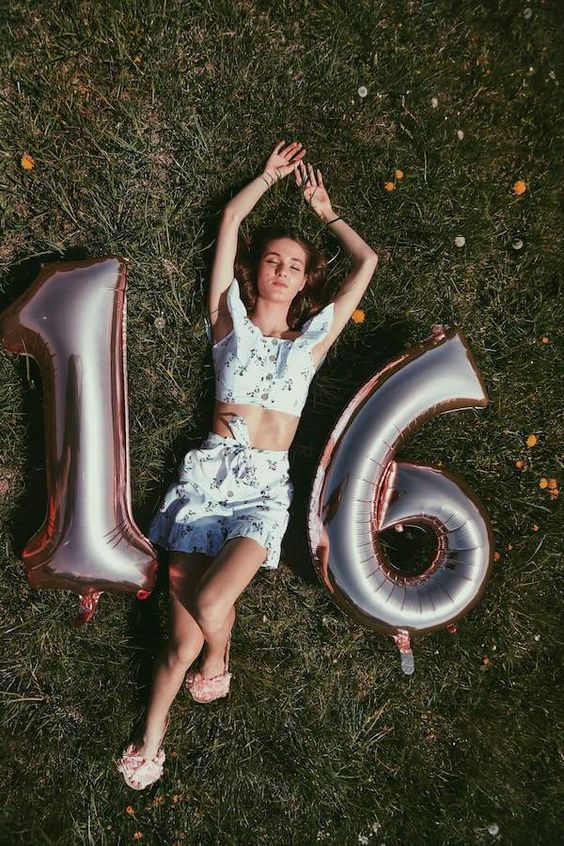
{"x": 268, "y": 429}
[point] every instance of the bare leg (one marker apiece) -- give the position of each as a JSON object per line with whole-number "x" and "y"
{"x": 216, "y": 593}
{"x": 206, "y": 588}
{"x": 183, "y": 647}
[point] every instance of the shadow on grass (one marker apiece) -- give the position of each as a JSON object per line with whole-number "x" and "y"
{"x": 344, "y": 374}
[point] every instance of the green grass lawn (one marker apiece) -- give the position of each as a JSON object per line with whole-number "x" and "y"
{"x": 142, "y": 120}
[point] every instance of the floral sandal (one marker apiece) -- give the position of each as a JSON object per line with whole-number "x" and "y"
{"x": 140, "y": 772}
{"x": 207, "y": 690}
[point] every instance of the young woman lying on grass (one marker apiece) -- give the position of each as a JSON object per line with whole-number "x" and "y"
{"x": 271, "y": 328}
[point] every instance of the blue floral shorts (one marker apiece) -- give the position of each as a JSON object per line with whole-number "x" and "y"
{"x": 226, "y": 489}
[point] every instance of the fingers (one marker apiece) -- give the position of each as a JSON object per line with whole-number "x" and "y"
{"x": 311, "y": 175}
{"x": 305, "y": 171}
{"x": 292, "y": 149}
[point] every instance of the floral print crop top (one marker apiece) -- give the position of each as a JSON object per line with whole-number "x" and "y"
{"x": 256, "y": 369}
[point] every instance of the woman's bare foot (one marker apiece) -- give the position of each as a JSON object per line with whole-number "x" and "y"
{"x": 211, "y": 667}
{"x": 150, "y": 742}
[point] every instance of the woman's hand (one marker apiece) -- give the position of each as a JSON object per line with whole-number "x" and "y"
{"x": 314, "y": 190}
{"x": 281, "y": 162}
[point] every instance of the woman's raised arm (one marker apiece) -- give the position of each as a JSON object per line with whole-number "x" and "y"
{"x": 364, "y": 257}
{"x": 281, "y": 162}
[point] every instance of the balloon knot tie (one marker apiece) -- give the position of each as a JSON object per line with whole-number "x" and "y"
{"x": 403, "y": 643}
{"x": 87, "y": 606}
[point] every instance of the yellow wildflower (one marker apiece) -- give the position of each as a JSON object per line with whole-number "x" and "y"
{"x": 543, "y": 483}
{"x": 27, "y": 162}
{"x": 519, "y": 187}
{"x": 398, "y": 174}
{"x": 130, "y": 809}
{"x": 358, "y": 315}
{"x": 519, "y": 463}
{"x": 389, "y": 186}
{"x": 553, "y": 483}
{"x": 532, "y": 440}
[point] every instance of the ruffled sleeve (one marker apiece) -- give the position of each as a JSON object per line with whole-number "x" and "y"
{"x": 315, "y": 328}
{"x": 238, "y": 314}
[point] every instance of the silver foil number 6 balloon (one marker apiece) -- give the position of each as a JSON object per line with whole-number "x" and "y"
{"x": 360, "y": 490}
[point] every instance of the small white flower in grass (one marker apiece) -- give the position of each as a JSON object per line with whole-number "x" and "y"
{"x": 537, "y": 638}
{"x": 434, "y": 102}
{"x": 551, "y": 74}
{"x": 493, "y": 829}
{"x": 362, "y": 91}
{"x": 517, "y": 244}
{"x": 459, "y": 134}
{"x": 460, "y": 240}
{"x": 527, "y": 13}
{"x": 363, "y": 839}
{"x": 160, "y": 322}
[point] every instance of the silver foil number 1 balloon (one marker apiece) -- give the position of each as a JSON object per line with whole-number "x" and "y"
{"x": 72, "y": 322}
{"x": 360, "y": 490}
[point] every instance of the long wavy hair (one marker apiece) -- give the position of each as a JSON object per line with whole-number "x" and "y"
{"x": 314, "y": 294}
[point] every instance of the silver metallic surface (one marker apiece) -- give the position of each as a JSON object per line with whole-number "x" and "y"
{"x": 72, "y": 322}
{"x": 360, "y": 489}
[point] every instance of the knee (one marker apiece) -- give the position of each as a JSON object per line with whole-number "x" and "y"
{"x": 211, "y": 614}
{"x": 183, "y": 653}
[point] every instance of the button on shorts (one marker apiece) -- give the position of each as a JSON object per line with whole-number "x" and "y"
{"x": 226, "y": 489}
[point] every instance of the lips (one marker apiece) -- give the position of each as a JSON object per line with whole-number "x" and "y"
{"x": 283, "y": 284}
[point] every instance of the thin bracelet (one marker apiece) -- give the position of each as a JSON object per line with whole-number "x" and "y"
{"x": 333, "y": 221}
